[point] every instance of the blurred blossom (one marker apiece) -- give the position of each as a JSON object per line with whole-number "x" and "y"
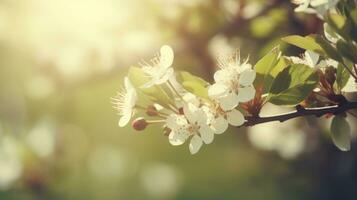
{"x": 76, "y": 42}
{"x": 11, "y": 166}
{"x": 39, "y": 86}
{"x": 160, "y": 181}
{"x": 252, "y": 9}
{"x": 287, "y": 138}
{"x": 106, "y": 162}
{"x": 219, "y": 46}
{"x": 231, "y": 7}
{"x": 42, "y": 138}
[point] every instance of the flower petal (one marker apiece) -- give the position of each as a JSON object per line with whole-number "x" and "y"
{"x": 166, "y": 56}
{"x": 190, "y": 112}
{"x": 217, "y": 90}
{"x": 191, "y": 98}
{"x": 229, "y": 102}
{"x": 246, "y": 94}
{"x": 220, "y": 75}
{"x": 165, "y": 76}
{"x": 219, "y": 125}
{"x": 247, "y": 77}
{"x": 176, "y": 138}
{"x": 311, "y": 58}
{"x": 235, "y": 118}
{"x": 124, "y": 119}
{"x": 195, "y": 144}
{"x": 127, "y": 84}
{"x": 206, "y": 133}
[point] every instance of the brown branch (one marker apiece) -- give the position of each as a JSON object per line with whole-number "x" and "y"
{"x": 301, "y": 111}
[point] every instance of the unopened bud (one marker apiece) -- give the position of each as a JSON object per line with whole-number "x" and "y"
{"x": 330, "y": 74}
{"x": 139, "y": 124}
{"x": 167, "y": 131}
{"x": 181, "y": 111}
{"x": 151, "y": 111}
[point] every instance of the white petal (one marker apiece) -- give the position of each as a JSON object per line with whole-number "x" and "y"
{"x": 191, "y": 98}
{"x": 220, "y": 75}
{"x": 246, "y": 94}
{"x": 247, "y": 77}
{"x": 190, "y": 112}
{"x": 217, "y": 90}
{"x": 220, "y": 125}
{"x": 207, "y": 134}
{"x": 315, "y": 3}
{"x": 175, "y": 121}
{"x": 124, "y": 120}
{"x": 165, "y": 76}
{"x": 127, "y": 84}
{"x": 195, "y": 144}
{"x": 176, "y": 139}
{"x": 131, "y": 98}
{"x": 229, "y": 102}
{"x": 235, "y": 118}
{"x": 312, "y": 58}
{"x": 166, "y": 56}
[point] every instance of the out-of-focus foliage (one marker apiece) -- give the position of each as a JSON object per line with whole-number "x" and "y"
{"x": 62, "y": 60}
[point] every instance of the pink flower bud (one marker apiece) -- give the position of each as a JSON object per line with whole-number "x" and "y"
{"x": 151, "y": 111}
{"x": 139, "y": 124}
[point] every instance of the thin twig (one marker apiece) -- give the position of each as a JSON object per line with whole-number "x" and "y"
{"x": 299, "y": 112}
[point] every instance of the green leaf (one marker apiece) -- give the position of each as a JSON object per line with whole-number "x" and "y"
{"x": 342, "y": 76}
{"x": 262, "y": 26}
{"x": 293, "y": 85}
{"x": 307, "y": 43}
{"x": 330, "y": 50}
{"x": 138, "y": 78}
{"x": 353, "y": 16}
{"x": 194, "y": 84}
{"x": 268, "y": 67}
{"x": 340, "y": 24}
{"x": 347, "y": 50}
{"x": 341, "y": 133}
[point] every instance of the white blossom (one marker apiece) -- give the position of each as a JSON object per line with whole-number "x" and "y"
{"x": 194, "y": 124}
{"x": 312, "y": 60}
{"x": 160, "y": 70}
{"x": 125, "y": 102}
{"x": 233, "y": 83}
{"x": 319, "y": 7}
{"x": 11, "y": 165}
{"x": 219, "y": 119}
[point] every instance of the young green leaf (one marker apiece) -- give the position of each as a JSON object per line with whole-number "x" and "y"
{"x": 342, "y": 76}
{"x": 307, "y": 43}
{"x": 341, "y": 133}
{"x": 268, "y": 67}
{"x": 138, "y": 79}
{"x": 330, "y": 50}
{"x": 347, "y": 50}
{"x": 194, "y": 84}
{"x": 292, "y": 85}
{"x": 340, "y": 24}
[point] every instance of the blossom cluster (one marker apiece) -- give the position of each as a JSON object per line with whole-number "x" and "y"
{"x": 319, "y": 7}
{"x": 188, "y": 117}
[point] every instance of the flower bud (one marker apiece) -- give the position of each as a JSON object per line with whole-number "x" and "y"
{"x": 139, "y": 124}
{"x": 330, "y": 74}
{"x": 151, "y": 111}
{"x": 181, "y": 111}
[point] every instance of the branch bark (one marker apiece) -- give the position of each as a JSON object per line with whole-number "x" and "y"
{"x": 301, "y": 111}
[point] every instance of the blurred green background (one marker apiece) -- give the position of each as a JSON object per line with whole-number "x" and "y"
{"x": 62, "y": 60}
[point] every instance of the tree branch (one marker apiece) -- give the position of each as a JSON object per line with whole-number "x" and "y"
{"x": 301, "y": 111}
